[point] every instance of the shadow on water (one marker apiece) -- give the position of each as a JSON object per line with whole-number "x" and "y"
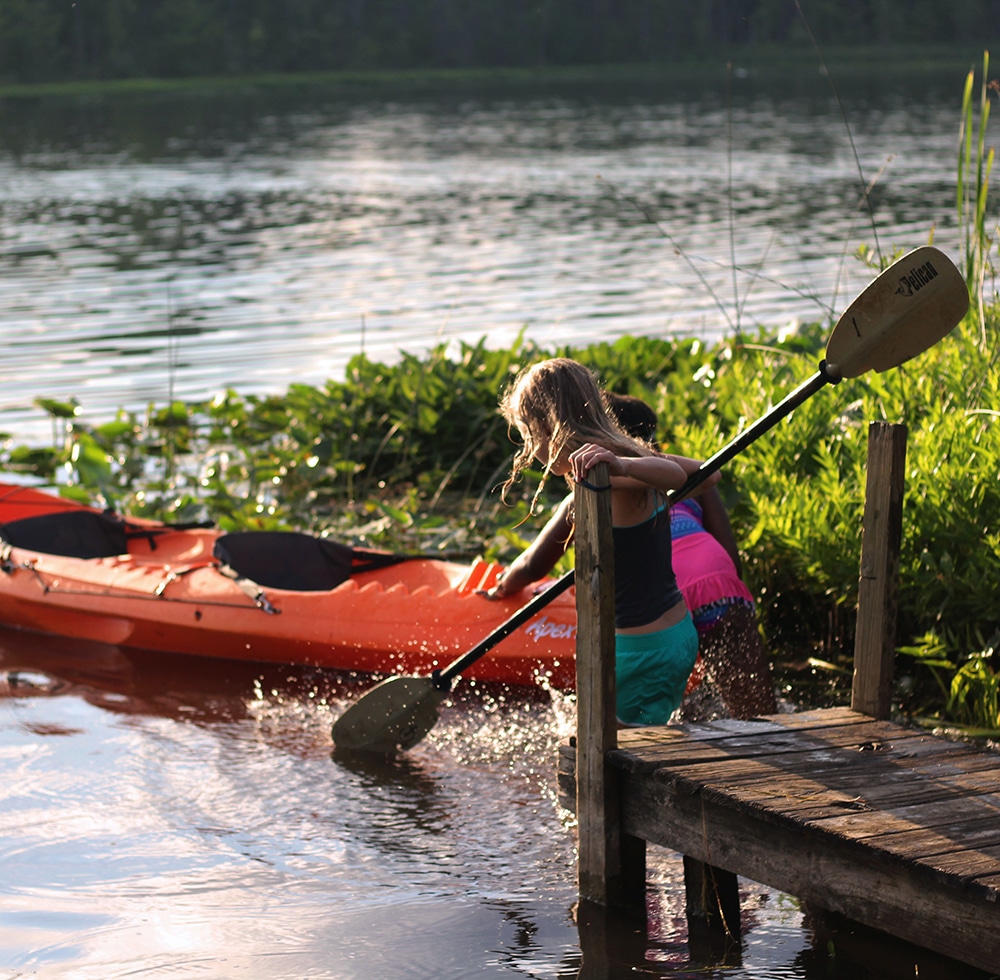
{"x": 617, "y": 946}
{"x": 849, "y": 950}
{"x": 167, "y": 685}
{"x": 216, "y": 114}
{"x": 401, "y": 793}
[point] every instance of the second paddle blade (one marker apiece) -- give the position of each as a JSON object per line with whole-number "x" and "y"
{"x": 391, "y": 717}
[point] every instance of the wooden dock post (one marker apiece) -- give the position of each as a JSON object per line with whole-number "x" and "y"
{"x": 712, "y": 907}
{"x": 611, "y": 865}
{"x": 875, "y": 636}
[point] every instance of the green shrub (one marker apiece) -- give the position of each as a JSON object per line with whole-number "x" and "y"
{"x": 409, "y": 456}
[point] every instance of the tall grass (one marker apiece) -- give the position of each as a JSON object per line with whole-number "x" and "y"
{"x": 975, "y": 163}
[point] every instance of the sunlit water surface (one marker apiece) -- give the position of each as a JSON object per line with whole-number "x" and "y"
{"x": 162, "y": 817}
{"x": 168, "y": 816}
{"x": 173, "y": 246}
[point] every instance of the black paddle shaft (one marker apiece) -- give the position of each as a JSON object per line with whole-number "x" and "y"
{"x": 791, "y": 401}
{"x": 442, "y": 678}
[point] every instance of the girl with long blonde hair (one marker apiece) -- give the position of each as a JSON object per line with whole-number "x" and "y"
{"x": 558, "y": 410}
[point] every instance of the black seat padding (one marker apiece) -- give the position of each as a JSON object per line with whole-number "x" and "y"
{"x": 74, "y": 533}
{"x": 292, "y": 560}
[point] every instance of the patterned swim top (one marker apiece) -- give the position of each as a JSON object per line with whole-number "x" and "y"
{"x": 686, "y": 518}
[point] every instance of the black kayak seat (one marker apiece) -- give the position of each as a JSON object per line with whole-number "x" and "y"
{"x": 296, "y": 561}
{"x": 275, "y": 559}
{"x": 73, "y": 533}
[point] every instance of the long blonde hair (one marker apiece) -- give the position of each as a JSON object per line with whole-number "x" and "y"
{"x": 559, "y": 403}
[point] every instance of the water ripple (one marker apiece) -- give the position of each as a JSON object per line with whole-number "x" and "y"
{"x": 277, "y": 255}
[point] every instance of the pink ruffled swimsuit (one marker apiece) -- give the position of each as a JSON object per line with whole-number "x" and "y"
{"x": 705, "y": 573}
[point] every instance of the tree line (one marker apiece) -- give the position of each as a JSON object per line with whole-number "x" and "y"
{"x": 56, "y": 40}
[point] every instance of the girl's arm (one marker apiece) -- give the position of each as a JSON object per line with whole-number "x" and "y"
{"x": 661, "y": 472}
{"x": 688, "y": 465}
{"x": 539, "y": 558}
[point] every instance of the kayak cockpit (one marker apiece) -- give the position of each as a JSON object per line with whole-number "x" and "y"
{"x": 286, "y": 560}
{"x": 297, "y": 562}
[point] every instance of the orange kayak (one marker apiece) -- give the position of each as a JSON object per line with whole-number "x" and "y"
{"x": 273, "y": 597}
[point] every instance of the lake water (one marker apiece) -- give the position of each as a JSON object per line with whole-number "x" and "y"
{"x": 174, "y": 246}
{"x": 173, "y": 817}
{"x": 166, "y": 817}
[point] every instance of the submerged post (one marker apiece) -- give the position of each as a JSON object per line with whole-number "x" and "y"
{"x": 604, "y": 877}
{"x": 875, "y": 637}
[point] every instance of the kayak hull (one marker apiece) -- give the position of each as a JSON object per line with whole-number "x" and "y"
{"x": 170, "y": 593}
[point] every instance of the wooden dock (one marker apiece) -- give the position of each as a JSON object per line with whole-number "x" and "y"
{"x": 885, "y": 824}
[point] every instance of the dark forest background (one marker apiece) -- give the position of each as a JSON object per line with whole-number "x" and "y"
{"x": 61, "y": 40}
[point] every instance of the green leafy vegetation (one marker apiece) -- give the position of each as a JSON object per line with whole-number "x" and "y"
{"x": 409, "y": 456}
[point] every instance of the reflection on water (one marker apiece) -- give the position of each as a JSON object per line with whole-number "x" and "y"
{"x": 161, "y": 811}
{"x": 167, "y": 815}
{"x": 203, "y": 241}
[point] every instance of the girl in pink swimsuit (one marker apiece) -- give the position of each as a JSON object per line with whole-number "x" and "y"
{"x": 723, "y": 611}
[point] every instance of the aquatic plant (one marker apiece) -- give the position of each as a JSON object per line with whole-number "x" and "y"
{"x": 408, "y": 456}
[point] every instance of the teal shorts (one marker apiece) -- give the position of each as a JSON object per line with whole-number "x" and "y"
{"x": 651, "y": 672}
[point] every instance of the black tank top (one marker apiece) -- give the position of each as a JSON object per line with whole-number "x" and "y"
{"x": 645, "y": 584}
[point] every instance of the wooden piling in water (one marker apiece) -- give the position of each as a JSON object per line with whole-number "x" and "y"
{"x": 611, "y": 866}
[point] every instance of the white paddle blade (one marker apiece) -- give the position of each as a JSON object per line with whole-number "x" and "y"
{"x": 392, "y": 716}
{"x": 907, "y": 309}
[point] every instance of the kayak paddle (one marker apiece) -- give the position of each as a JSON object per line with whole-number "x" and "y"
{"x": 400, "y": 711}
{"x": 905, "y": 310}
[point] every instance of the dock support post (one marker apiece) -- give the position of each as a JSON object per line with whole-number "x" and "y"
{"x": 875, "y": 636}
{"x": 611, "y": 865}
{"x": 712, "y": 901}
